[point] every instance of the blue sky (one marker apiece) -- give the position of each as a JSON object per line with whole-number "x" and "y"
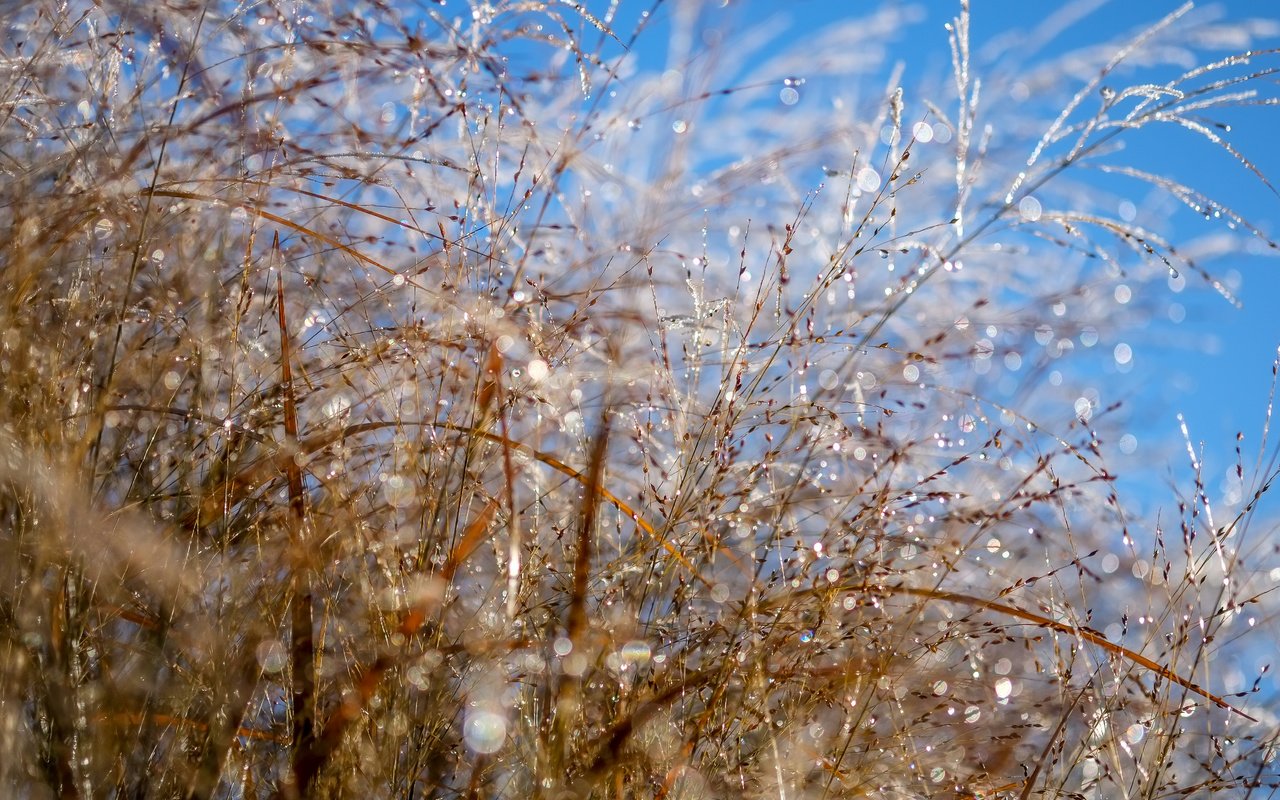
{"x": 1214, "y": 366}
{"x": 1217, "y": 370}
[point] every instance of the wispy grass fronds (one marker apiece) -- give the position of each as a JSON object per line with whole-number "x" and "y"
{"x": 406, "y": 401}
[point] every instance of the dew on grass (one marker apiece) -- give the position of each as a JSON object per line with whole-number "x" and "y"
{"x": 272, "y": 655}
{"x": 398, "y": 490}
{"x": 635, "y": 652}
{"x": 1123, "y": 353}
{"x": 1135, "y": 733}
{"x": 337, "y": 405}
{"x": 485, "y": 731}
{"x": 868, "y": 180}
{"x": 1029, "y": 209}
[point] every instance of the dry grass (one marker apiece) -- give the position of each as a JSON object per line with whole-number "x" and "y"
{"x": 402, "y": 405}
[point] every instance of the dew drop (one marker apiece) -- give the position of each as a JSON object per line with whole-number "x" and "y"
{"x": 1029, "y": 208}
{"x": 868, "y": 179}
{"x": 485, "y": 731}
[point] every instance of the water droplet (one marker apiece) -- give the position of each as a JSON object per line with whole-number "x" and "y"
{"x": 868, "y": 179}
{"x": 1083, "y": 408}
{"x": 1123, "y": 353}
{"x": 635, "y": 652}
{"x": 485, "y": 731}
{"x": 398, "y": 490}
{"x": 1029, "y": 209}
{"x": 271, "y": 655}
{"x": 337, "y": 405}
